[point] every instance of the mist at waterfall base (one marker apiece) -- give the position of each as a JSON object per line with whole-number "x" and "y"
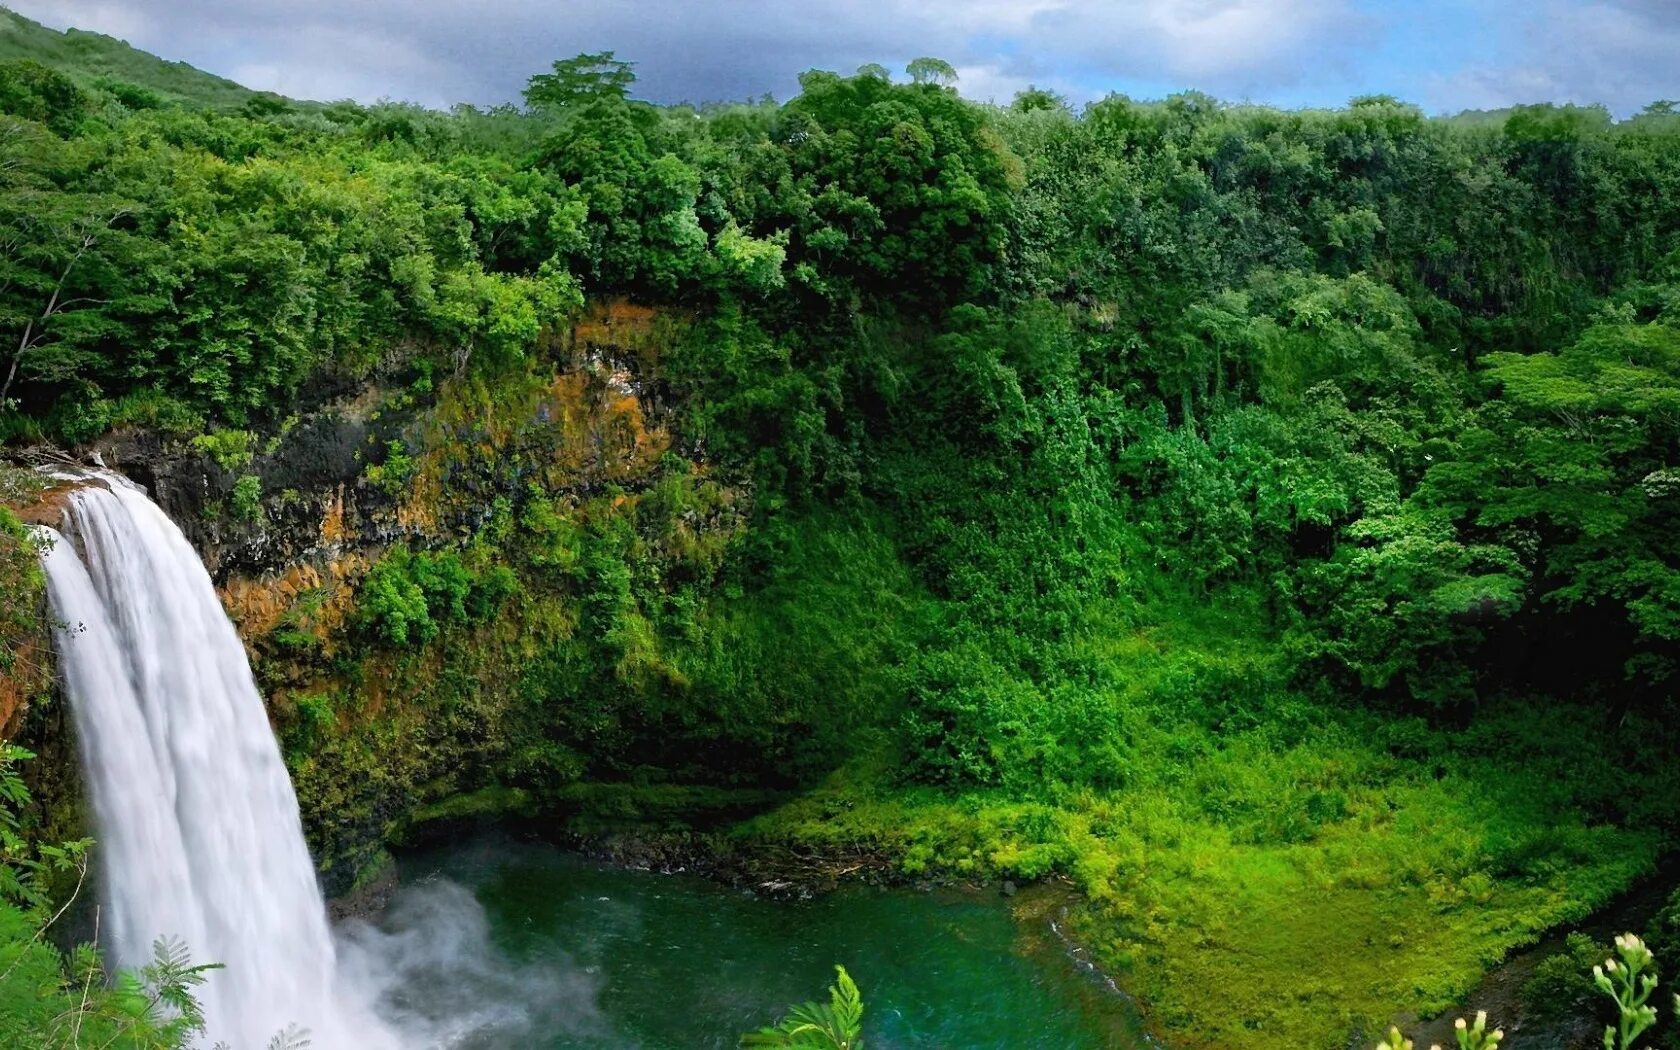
{"x": 655, "y": 961}
{"x": 437, "y": 976}
{"x": 488, "y": 945}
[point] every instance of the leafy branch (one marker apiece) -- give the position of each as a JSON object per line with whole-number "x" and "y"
{"x": 835, "y": 1025}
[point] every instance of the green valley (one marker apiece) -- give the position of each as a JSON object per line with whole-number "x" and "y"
{"x": 1257, "y": 518}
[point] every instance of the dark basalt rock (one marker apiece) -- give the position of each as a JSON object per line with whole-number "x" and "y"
{"x": 307, "y": 471}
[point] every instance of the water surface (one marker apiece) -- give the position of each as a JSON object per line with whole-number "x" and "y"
{"x": 526, "y": 945}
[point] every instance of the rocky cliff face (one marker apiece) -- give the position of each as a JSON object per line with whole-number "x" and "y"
{"x": 29, "y": 717}
{"x": 292, "y": 518}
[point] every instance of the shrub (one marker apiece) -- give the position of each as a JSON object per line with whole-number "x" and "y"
{"x": 407, "y": 598}
{"x": 394, "y": 472}
{"x": 392, "y": 607}
{"x": 230, "y": 449}
{"x": 79, "y": 419}
{"x": 246, "y": 501}
{"x": 445, "y": 582}
{"x": 1563, "y": 983}
{"x": 956, "y": 702}
{"x": 490, "y": 591}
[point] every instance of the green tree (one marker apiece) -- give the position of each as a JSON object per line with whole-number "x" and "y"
{"x": 1034, "y": 99}
{"x": 581, "y": 80}
{"x": 931, "y": 71}
{"x": 36, "y": 92}
{"x": 63, "y": 258}
{"x": 1576, "y": 454}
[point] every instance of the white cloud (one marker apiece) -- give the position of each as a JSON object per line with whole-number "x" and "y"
{"x": 1617, "y": 52}
{"x": 990, "y": 83}
{"x": 320, "y": 61}
{"x": 1209, "y": 41}
{"x": 440, "y": 51}
{"x": 1228, "y": 46}
{"x": 1489, "y": 87}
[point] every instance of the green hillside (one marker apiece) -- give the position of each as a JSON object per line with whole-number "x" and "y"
{"x": 97, "y": 59}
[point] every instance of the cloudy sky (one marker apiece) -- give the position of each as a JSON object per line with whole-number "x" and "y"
{"x": 1445, "y": 55}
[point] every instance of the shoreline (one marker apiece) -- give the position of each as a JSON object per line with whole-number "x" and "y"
{"x": 1040, "y": 908}
{"x": 1037, "y": 911}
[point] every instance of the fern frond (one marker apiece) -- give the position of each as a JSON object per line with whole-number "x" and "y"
{"x": 836, "y": 1025}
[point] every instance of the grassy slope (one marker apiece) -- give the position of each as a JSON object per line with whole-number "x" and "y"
{"x": 1299, "y": 875}
{"x": 90, "y": 56}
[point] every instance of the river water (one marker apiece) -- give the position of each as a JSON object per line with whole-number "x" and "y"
{"x": 498, "y": 944}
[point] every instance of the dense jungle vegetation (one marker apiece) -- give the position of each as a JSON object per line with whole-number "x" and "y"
{"x": 1262, "y": 518}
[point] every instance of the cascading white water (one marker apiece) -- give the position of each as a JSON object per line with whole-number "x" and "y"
{"x": 197, "y": 822}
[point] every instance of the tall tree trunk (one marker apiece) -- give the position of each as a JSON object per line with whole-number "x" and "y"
{"x": 29, "y": 337}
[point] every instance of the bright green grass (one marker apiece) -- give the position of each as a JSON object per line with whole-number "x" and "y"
{"x": 1269, "y": 870}
{"x": 1397, "y": 906}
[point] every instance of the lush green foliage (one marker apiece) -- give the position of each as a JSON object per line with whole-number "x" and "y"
{"x": 1247, "y": 514}
{"x": 23, "y": 663}
{"x": 1561, "y": 984}
{"x": 835, "y": 1025}
{"x": 407, "y": 598}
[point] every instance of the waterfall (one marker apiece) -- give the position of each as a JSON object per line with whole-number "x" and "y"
{"x": 196, "y": 820}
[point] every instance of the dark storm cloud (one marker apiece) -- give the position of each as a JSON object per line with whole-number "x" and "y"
{"x": 1289, "y": 51}
{"x": 438, "y": 52}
